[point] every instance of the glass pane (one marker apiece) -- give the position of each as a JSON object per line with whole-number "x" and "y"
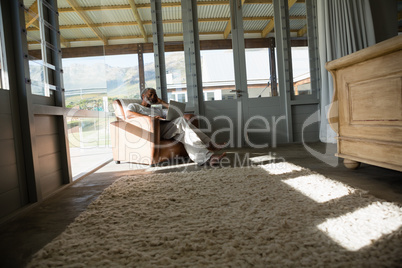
{"x": 258, "y": 21}
{"x": 258, "y": 73}
{"x": 301, "y": 71}
{"x": 122, "y": 77}
{"x": 37, "y": 75}
{"x": 89, "y": 142}
{"x": 91, "y": 83}
{"x": 275, "y": 89}
{"x": 3, "y": 65}
{"x": 300, "y": 54}
{"x": 85, "y": 83}
{"x": 149, "y": 70}
{"x": 39, "y": 47}
{"x": 176, "y": 76}
{"x": 218, "y": 74}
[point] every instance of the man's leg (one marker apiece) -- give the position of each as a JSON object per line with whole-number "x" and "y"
{"x": 186, "y": 133}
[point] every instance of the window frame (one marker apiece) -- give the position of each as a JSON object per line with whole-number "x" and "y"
{"x": 4, "y": 83}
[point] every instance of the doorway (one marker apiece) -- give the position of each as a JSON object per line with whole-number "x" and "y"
{"x": 241, "y": 94}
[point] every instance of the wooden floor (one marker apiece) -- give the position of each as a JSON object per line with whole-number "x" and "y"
{"x": 33, "y": 228}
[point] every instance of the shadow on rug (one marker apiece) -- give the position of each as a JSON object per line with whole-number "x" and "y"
{"x": 272, "y": 215}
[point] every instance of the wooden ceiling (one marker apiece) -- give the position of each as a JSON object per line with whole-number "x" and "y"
{"x": 85, "y": 21}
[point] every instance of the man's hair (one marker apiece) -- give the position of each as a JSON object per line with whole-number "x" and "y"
{"x": 145, "y": 91}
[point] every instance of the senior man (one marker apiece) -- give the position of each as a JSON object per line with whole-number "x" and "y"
{"x": 198, "y": 145}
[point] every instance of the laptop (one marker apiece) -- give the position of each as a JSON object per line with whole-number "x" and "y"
{"x": 176, "y": 109}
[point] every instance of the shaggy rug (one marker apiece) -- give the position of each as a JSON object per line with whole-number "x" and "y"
{"x": 274, "y": 215}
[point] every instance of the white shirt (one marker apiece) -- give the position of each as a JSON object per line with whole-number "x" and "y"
{"x": 138, "y": 108}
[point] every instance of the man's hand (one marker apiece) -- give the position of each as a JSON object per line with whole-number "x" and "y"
{"x": 164, "y": 104}
{"x": 159, "y": 101}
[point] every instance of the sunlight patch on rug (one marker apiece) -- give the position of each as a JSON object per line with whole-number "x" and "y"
{"x": 280, "y": 168}
{"x": 238, "y": 217}
{"x": 319, "y": 188}
{"x": 262, "y": 158}
{"x": 168, "y": 167}
{"x": 364, "y": 226}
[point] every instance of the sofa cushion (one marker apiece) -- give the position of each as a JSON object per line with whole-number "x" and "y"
{"x": 126, "y": 102}
{"x": 120, "y": 106}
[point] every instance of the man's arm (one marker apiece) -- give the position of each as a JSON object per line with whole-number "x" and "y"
{"x": 130, "y": 114}
{"x": 133, "y": 110}
{"x": 164, "y": 104}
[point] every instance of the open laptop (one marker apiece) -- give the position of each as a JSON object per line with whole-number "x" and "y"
{"x": 176, "y": 109}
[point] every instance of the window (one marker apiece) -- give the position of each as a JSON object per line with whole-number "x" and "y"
{"x": 122, "y": 76}
{"x": 176, "y": 75}
{"x": 149, "y": 70}
{"x": 300, "y": 54}
{"x": 92, "y": 83}
{"x": 85, "y": 83}
{"x": 3, "y": 65}
{"x": 218, "y": 74}
{"x": 258, "y": 73}
{"x": 301, "y": 71}
{"x": 40, "y": 50}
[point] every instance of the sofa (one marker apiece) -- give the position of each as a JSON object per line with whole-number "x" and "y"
{"x": 136, "y": 138}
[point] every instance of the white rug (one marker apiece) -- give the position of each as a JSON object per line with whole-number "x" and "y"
{"x": 277, "y": 215}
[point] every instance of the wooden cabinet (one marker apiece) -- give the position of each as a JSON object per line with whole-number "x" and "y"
{"x": 366, "y": 109}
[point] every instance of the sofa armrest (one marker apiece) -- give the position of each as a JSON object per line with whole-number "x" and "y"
{"x": 145, "y": 127}
{"x": 118, "y": 109}
{"x": 135, "y": 139}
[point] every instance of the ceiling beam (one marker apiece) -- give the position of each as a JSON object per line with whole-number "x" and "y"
{"x": 149, "y": 36}
{"x": 175, "y": 4}
{"x": 228, "y": 28}
{"x": 138, "y": 19}
{"x": 32, "y": 15}
{"x": 302, "y": 31}
{"x": 271, "y": 23}
{"x": 256, "y": 2}
{"x": 268, "y": 28}
{"x": 64, "y": 42}
{"x": 122, "y": 7}
{"x": 148, "y": 22}
{"x": 87, "y": 20}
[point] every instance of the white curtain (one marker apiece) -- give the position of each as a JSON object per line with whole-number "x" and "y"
{"x": 344, "y": 26}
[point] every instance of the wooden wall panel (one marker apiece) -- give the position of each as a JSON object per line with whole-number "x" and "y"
{"x": 308, "y": 136}
{"x": 4, "y": 102}
{"x": 51, "y": 182}
{"x": 49, "y": 155}
{"x": 9, "y": 178}
{"x": 6, "y": 127}
{"x": 300, "y": 113}
{"x": 45, "y": 124}
{"x": 7, "y": 155}
{"x": 275, "y": 132}
{"x": 10, "y": 199}
{"x": 47, "y": 144}
{"x": 49, "y": 164}
{"x": 9, "y": 202}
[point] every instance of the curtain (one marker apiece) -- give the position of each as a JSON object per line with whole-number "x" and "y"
{"x": 344, "y": 27}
